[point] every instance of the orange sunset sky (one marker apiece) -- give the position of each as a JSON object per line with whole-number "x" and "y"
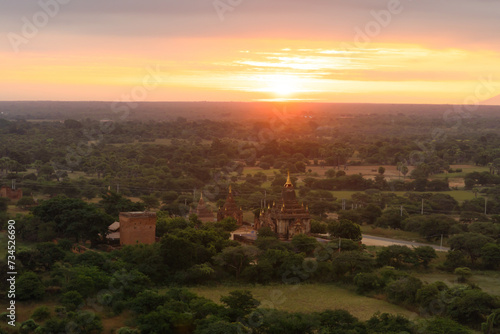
{"x": 373, "y": 51}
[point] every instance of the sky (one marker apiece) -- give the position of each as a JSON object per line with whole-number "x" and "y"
{"x": 360, "y": 51}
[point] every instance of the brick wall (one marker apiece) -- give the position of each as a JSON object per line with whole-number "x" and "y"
{"x": 137, "y": 228}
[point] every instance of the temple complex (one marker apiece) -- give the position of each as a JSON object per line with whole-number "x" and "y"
{"x": 287, "y": 217}
{"x": 230, "y": 209}
{"x": 204, "y": 213}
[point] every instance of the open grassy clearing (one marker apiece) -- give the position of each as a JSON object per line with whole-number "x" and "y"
{"x": 308, "y": 298}
{"x": 488, "y": 281}
{"x": 465, "y": 170}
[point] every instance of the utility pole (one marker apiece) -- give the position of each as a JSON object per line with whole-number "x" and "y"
{"x": 485, "y": 204}
{"x": 265, "y": 198}
{"x": 441, "y": 245}
{"x": 13, "y": 184}
{"x": 422, "y": 206}
{"x": 401, "y": 211}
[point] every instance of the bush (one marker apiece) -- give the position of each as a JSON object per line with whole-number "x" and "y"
{"x": 72, "y": 300}
{"x": 366, "y": 282}
{"x": 41, "y": 313}
{"x": 403, "y": 290}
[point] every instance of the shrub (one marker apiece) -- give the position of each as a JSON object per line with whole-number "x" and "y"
{"x": 41, "y": 313}
{"x": 72, "y": 300}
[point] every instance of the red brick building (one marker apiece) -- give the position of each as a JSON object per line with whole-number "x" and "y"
{"x": 137, "y": 228}
{"x": 13, "y": 194}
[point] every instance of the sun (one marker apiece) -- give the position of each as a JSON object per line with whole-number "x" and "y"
{"x": 282, "y": 85}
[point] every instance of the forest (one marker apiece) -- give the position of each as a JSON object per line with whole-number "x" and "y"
{"x": 400, "y": 174}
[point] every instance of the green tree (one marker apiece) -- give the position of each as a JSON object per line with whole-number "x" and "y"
{"x": 463, "y": 274}
{"x": 345, "y": 229}
{"x": 440, "y": 325}
{"x": 471, "y": 307}
{"x": 392, "y": 218}
{"x": 72, "y": 300}
{"x": 236, "y": 259}
{"x": 114, "y": 203}
{"x": 404, "y": 290}
{"x": 239, "y": 303}
{"x": 389, "y": 324}
{"x": 425, "y": 254}
{"x": 150, "y": 202}
{"x": 29, "y": 287}
{"x": 490, "y": 255}
{"x": 74, "y": 218}
{"x": 304, "y": 243}
{"x": 469, "y": 243}
{"x": 396, "y": 256}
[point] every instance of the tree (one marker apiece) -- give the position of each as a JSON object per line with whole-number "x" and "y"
{"x": 114, "y": 203}
{"x": 239, "y": 303}
{"x": 425, "y": 254}
{"x": 74, "y": 218}
{"x": 150, "y": 202}
{"x": 471, "y": 307}
{"x": 366, "y": 282}
{"x": 25, "y": 202}
{"x": 371, "y": 213}
{"x": 304, "y": 243}
{"x": 470, "y": 243}
{"x": 236, "y": 259}
{"x": 440, "y": 325}
{"x": 490, "y": 254}
{"x": 392, "y": 218}
{"x": 340, "y": 320}
{"x": 404, "y": 290}
{"x": 29, "y": 286}
{"x": 72, "y": 300}
{"x": 381, "y": 170}
{"x": 389, "y": 324}
{"x": 352, "y": 263}
{"x": 345, "y": 229}
{"x": 463, "y": 274}
{"x": 396, "y": 256}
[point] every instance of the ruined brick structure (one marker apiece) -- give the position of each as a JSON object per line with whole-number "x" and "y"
{"x": 230, "y": 209}
{"x": 137, "y": 228}
{"x": 204, "y": 213}
{"x": 287, "y": 217}
{"x": 12, "y": 194}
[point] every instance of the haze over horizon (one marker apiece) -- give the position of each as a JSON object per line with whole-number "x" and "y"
{"x": 428, "y": 52}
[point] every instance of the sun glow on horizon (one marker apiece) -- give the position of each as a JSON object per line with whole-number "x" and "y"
{"x": 282, "y": 85}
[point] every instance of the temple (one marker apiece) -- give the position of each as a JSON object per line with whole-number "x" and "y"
{"x": 230, "y": 209}
{"x": 204, "y": 214}
{"x": 286, "y": 218}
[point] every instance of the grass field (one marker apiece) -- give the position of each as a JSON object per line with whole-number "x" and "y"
{"x": 488, "y": 281}
{"x": 308, "y": 298}
{"x": 465, "y": 170}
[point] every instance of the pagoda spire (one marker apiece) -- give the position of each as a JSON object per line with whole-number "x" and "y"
{"x": 288, "y": 181}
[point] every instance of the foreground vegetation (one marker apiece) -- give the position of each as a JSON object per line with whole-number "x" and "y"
{"x": 77, "y": 176}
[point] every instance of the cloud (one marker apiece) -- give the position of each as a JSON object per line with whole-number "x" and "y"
{"x": 462, "y": 22}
